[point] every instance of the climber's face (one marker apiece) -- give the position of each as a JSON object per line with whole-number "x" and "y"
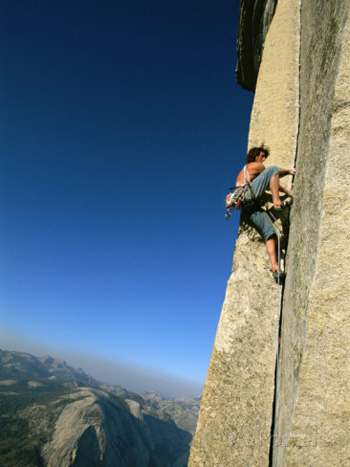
{"x": 261, "y": 157}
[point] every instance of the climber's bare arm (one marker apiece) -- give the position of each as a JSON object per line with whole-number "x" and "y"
{"x": 286, "y": 171}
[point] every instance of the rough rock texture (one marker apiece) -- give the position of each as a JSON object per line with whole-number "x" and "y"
{"x": 312, "y": 423}
{"x": 314, "y": 413}
{"x": 235, "y": 419}
{"x": 255, "y": 19}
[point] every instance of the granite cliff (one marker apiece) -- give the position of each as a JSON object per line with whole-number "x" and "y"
{"x": 302, "y": 112}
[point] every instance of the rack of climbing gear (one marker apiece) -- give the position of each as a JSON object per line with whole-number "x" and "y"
{"x": 234, "y": 199}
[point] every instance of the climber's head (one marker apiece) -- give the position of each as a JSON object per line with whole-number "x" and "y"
{"x": 255, "y": 152}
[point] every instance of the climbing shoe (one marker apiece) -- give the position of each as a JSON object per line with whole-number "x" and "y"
{"x": 279, "y": 275}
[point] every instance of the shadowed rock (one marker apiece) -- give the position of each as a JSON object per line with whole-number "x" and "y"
{"x": 254, "y": 23}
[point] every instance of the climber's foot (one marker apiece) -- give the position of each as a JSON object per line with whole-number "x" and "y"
{"x": 279, "y": 276}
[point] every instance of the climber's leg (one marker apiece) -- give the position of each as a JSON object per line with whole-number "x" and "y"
{"x": 274, "y": 187}
{"x": 271, "y": 251}
{"x": 261, "y": 183}
{"x": 264, "y": 225}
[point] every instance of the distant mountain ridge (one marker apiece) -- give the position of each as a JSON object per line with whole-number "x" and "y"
{"x": 15, "y": 363}
{"x": 56, "y": 415}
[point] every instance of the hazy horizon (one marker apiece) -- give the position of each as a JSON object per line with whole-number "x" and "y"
{"x": 130, "y": 375}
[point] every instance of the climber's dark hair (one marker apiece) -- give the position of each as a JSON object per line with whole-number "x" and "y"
{"x": 253, "y": 152}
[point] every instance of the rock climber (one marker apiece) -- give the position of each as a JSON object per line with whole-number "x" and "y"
{"x": 257, "y": 180}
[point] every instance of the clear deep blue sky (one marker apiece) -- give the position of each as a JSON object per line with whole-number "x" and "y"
{"x": 122, "y": 127}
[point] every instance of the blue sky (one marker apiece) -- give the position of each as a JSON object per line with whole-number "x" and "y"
{"x": 121, "y": 129}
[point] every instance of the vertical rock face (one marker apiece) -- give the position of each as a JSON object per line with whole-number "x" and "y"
{"x": 314, "y": 415}
{"x": 306, "y": 62}
{"x": 235, "y": 420}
